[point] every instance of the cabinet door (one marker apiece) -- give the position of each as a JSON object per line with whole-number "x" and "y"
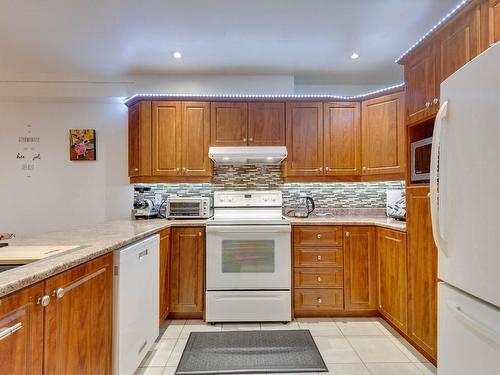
{"x": 228, "y": 124}
{"x": 391, "y": 271}
{"x": 139, "y": 139}
{"x": 304, "y": 139}
{"x": 266, "y": 124}
{"x": 458, "y": 43}
{"x": 360, "y": 276}
{"x": 78, "y": 320}
{"x": 21, "y": 332}
{"x": 342, "y": 139}
{"x": 493, "y": 17}
{"x": 166, "y": 149}
{"x": 187, "y": 271}
{"x": 383, "y": 134}
{"x": 195, "y": 139}
{"x": 164, "y": 273}
{"x": 422, "y": 271}
{"x": 421, "y": 84}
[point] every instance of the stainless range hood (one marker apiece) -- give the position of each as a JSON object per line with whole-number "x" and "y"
{"x": 248, "y": 154}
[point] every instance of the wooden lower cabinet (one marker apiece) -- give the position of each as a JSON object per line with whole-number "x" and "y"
{"x": 318, "y": 302}
{"x": 422, "y": 272}
{"x": 360, "y": 268}
{"x": 164, "y": 273}
{"x": 391, "y": 271}
{"x": 187, "y": 272}
{"x": 79, "y": 319}
{"x": 21, "y": 332}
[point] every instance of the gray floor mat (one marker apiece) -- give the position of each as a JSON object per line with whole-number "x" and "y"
{"x": 240, "y": 352}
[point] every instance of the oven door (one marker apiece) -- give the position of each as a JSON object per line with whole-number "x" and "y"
{"x": 248, "y": 257}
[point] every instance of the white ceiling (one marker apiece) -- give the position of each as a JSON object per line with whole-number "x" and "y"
{"x": 310, "y": 39}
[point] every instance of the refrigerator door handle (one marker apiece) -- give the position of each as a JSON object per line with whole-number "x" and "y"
{"x": 434, "y": 179}
{"x": 473, "y": 322}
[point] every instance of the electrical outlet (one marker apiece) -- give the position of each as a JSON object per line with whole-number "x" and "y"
{"x": 158, "y": 199}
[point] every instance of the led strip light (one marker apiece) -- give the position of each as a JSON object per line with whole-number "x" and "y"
{"x": 431, "y": 30}
{"x": 260, "y": 96}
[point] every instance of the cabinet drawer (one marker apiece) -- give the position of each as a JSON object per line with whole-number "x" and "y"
{"x": 323, "y": 235}
{"x": 319, "y": 277}
{"x": 318, "y": 299}
{"x": 313, "y": 257}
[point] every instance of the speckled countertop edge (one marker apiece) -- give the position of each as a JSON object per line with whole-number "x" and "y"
{"x": 98, "y": 240}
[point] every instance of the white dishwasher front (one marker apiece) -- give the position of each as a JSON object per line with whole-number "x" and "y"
{"x": 136, "y": 303}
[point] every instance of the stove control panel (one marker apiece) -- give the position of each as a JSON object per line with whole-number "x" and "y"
{"x": 254, "y": 198}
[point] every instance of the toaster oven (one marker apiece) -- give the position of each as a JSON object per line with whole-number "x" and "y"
{"x": 188, "y": 208}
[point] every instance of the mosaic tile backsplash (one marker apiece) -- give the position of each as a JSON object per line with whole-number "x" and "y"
{"x": 268, "y": 177}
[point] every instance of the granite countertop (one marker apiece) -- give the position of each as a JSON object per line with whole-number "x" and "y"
{"x": 91, "y": 241}
{"x": 96, "y": 240}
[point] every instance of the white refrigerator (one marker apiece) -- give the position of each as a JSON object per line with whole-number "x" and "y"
{"x": 465, "y": 208}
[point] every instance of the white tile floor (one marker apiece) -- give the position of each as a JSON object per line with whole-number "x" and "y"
{"x": 349, "y": 346}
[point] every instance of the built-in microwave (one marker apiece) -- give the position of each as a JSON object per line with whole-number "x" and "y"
{"x": 420, "y": 160}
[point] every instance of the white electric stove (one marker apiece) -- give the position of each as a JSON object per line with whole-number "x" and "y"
{"x": 248, "y": 258}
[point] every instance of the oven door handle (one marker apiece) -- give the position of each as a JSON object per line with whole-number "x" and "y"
{"x": 248, "y": 229}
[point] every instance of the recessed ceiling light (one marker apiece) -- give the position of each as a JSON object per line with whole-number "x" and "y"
{"x": 225, "y": 158}
{"x": 176, "y": 55}
{"x": 269, "y": 158}
{"x": 354, "y": 56}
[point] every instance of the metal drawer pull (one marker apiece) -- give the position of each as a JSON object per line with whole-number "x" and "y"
{"x": 44, "y": 301}
{"x": 320, "y": 300}
{"x": 142, "y": 254}
{"x": 200, "y": 234}
{"x": 347, "y": 234}
{"x": 319, "y": 279}
{"x": 319, "y": 257}
{"x": 9, "y": 331}
{"x": 319, "y": 235}
{"x": 59, "y": 293}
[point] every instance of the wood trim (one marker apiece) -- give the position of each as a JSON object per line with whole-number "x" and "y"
{"x": 166, "y": 179}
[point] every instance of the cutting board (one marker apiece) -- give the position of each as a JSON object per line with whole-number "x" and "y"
{"x": 26, "y": 254}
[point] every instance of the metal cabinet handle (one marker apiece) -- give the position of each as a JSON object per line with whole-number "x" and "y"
{"x": 365, "y": 168}
{"x": 319, "y": 257}
{"x": 143, "y": 253}
{"x": 435, "y": 101}
{"x": 250, "y": 139}
{"x": 59, "y": 293}
{"x": 427, "y": 104}
{"x": 319, "y": 279}
{"x": 200, "y": 234}
{"x": 136, "y": 169}
{"x": 321, "y": 169}
{"x": 44, "y": 301}
{"x": 10, "y": 330}
{"x": 327, "y": 169}
{"x": 347, "y": 234}
{"x": 177, "y": 170}
{"x": 184, "y": 170}
{"x": 244, "y": 139}
{"x": 318, "y": 235}
{"x": 320, "y": 300}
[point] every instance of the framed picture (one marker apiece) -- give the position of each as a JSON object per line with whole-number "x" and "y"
{"x": 82, "y": 144}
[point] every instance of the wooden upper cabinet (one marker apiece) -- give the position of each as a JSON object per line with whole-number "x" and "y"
{"x": 391, "y": 271}
{"x": 342, "y": 139}
{"x": 458, "y": 43}
{"x": 422, "y": 271}
{"x": 166, "y": 147}
{"x": 491, "y": 21}
{"x": 79, "y": 319}
{"x": 229, "y": 124}
{"x": 304, "y": 139}
{"x": 360, "y": 269}
{"x": 21, "y": 332}
{"x": 383, "y": 135}
{"x": 164, "y": 274}
{"x": 421, "y": 84}
{"x": 139, "y": 139}
{"x": 266, "y": 124}
{"x": 187, "y": 272}
{"x": 195, "y": 139}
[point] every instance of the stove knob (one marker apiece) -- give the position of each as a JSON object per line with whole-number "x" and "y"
{"x": 229, "y": 199}
{"x": 266, "y": 199}
{"x": 273, "y": 199}
{"x": 221, "y": 199}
